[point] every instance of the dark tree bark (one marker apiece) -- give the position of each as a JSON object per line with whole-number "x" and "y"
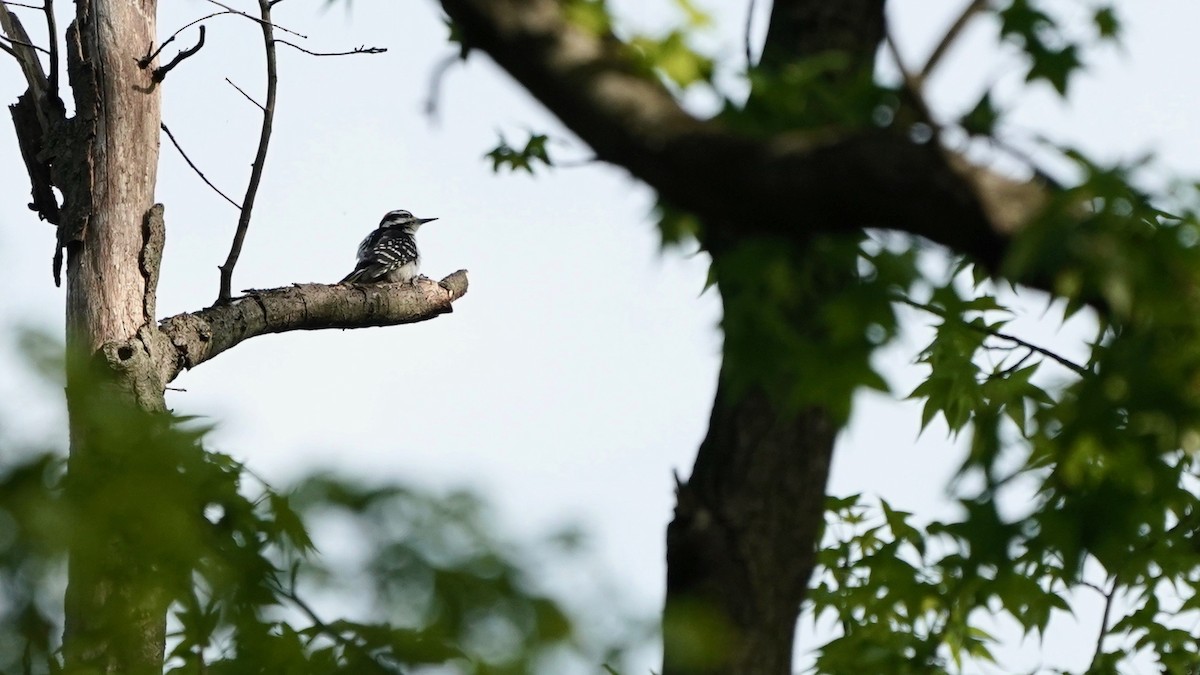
{"x": 747, "y": 524}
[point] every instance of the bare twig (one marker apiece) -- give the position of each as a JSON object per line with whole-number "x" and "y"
{"x": 195, "y": 168}
{"x": 256, "y": 19}
{"x": 10, "y": 3}
{"x": 936, "y": 311}
{"x": 357, "y": 50}
{"x": 8, "y": 50}
{"x": 23, "y": 43}
{"x": 330, "y": 631}
{"x": 1108, "y": 603}
{"x": 975, "y": 7}
{"x": 160, "y": 73}
{"x": 145, "y": 61}
{"x": 435, "y": 84}
{"x": 248, "y": 96}
{"x": 256, "y": 170}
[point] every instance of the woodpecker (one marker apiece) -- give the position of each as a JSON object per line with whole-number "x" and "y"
{"x": 389, "y": 254}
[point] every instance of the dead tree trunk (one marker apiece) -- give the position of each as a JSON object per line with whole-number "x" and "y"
{"x": 113, "y": 240}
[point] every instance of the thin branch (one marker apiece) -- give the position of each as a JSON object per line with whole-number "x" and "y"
{"x": 160, "y": 73}
{"x": 357, "y": 50}
{"x": 749, "y": 24}
{"x": 260, "y": 158}
{"x": 936, "y": 311}
{"x": 10, "y": 3}
{"x": 1108, "y": 604}
{"x": 912, "y": 86}
{"x": 950, "y": 37}
{"x": 9, "y": 50}
{"x": 243, "y": 93}
{"x": 23, "y": 43}
{"x": 145, "y": 61}
{"x": 435, "y": 84}
{"x": 263, "y": 22}
{"x": 196, "y": 168}
{"x": 324, "y": 628}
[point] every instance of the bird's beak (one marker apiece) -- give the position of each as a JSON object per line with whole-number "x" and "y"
{"x": 425, "y": 220}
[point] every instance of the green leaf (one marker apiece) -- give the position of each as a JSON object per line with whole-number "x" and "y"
{"x": 982, "y": 119}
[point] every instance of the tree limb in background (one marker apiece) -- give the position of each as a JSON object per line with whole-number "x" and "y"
{"x": 750, "y": 186}
{"x": 951, "y": 36}
{"x": 187, "y": 340}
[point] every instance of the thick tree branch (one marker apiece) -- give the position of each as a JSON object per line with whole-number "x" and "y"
{"x": 187, "y": 340}
{"x": 788, "y": 185}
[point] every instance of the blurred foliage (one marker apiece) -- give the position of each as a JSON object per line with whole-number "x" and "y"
{"x": 526, "y": 158}
{"x": 416, "y": 582}
{"x": 1093, "y": 459}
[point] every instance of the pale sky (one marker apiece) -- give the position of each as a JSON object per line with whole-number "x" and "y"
{"x": 577, "y": 373}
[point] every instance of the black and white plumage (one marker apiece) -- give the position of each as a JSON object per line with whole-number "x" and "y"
{"x": 389, "y": 254}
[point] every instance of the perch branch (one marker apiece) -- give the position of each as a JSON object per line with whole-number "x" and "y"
{"x": 192, "y": 339}
{"x": 260, "y": 158}
{"x": 196, "y": 168}
{"x": 357, "y": 50}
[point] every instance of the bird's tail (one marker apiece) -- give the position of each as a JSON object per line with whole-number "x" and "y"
{"x": 354, "y": 277}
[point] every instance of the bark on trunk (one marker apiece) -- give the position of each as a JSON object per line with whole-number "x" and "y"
{"x": 115, "y": 622}
{"x": 742, "y": 545}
